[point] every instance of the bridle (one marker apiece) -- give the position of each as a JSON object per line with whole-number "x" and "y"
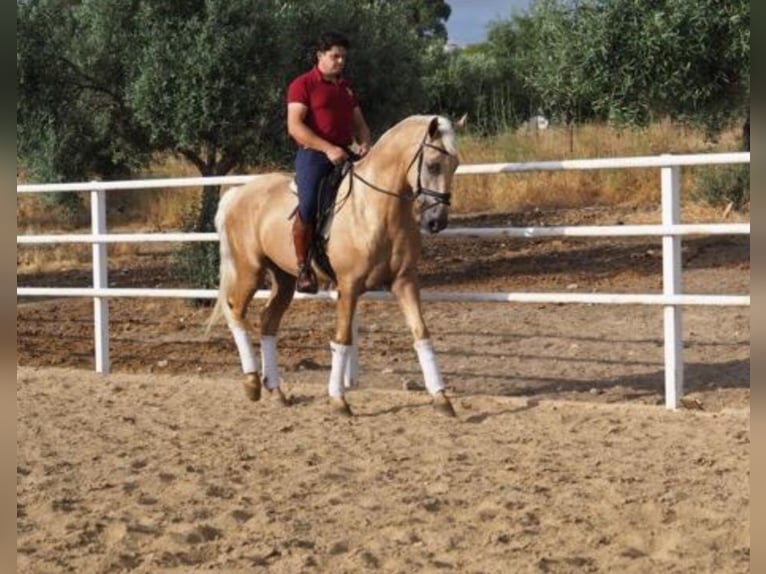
{"x": 441, "y": 197}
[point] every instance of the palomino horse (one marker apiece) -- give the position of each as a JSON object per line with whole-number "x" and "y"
{"x": 374, "y": 242}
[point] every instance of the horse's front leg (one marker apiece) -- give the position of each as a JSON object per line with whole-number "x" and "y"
{"x": 342, "y": 348}
{"x": 407, "y": 293}
{"x": 351, "y": 376}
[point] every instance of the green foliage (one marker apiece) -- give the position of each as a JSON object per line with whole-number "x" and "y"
{"x": 427, "y": 17}
{"x": 628, "y": 61}
{"x": 197, "y": 264}
{"x": 475, "y": 82}
{"x": 721, "y": 185}
{"x": 72, "y": 120}
{"x": 553, "y": 61}
{"x": 386, "y": 74}
{"x": 294, "y": 27}
{"x": 480, "y": 80}
{"x": 203, "y": 81}
{"x": 686, "y": 60}
{"x": 70, "y": 115}
{"x": 104, "y": 84}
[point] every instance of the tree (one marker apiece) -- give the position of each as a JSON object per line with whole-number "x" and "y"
{"x": 104, "y": 84}
{"x": 426, "y": 17}
{"x": 429, "y": 17}
{"x": 709, "y": 42}
{"x": 631, "y": 60}
{"x": 474, "y": 81}
{"x": 204, "y": 85}
{"x": 72, "y": 117}
{"x": 552, "y": 60}
{"x": 385, "y": 58}
{"x": 686, "y": 60}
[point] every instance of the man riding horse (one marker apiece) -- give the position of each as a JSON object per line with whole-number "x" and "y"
{"x": 391, "y": 194}
{"x": 324, "y": 118}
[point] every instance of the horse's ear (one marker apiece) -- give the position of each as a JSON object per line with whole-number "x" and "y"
{"x": 461, "y": 123}
{"x": 433, "y": 127}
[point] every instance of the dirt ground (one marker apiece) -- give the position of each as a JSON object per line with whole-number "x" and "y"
{"x": 560, "y": 460}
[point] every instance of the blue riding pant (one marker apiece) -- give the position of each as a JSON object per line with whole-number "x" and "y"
{"x": 311, "y": 167}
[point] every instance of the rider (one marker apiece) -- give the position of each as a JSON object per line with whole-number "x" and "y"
{"x": 324, "y": 118}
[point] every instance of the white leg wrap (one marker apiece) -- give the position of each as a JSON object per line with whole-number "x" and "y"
{"x": 245, "y": 348}
{"x": 269, "y": 367}
{"x": 351, "y": 374}
{"x": 427, "y": 358}
{"x": 340, "y": 355}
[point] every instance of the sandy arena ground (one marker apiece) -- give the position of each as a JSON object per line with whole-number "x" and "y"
{"x": 561, "y": 459}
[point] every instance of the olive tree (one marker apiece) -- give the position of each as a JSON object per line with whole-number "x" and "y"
{"x": 629, "y": 61}
{"x": 73, "y": 118}
{"x": 105, "y": 85}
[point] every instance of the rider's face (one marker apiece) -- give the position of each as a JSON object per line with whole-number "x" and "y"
{"x": 331, "y": 62}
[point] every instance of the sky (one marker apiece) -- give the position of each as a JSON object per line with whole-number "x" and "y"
{"x": 468, "y": 20}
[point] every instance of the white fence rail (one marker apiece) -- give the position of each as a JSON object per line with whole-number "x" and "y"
{"x": 671, "y": 230}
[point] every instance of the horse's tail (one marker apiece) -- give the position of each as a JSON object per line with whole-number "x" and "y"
{"x": 227, "y": 271}
{"x": 215, "y": 315}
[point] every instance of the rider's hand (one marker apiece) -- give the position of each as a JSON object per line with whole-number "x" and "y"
{"x": 363, "y": 148}
{"x": 336, "y": 154}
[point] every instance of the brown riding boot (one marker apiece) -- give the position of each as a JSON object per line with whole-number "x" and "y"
{"x": 303, "y": 235}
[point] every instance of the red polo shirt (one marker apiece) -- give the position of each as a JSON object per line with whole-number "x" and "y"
{"x": 330, "y": 105}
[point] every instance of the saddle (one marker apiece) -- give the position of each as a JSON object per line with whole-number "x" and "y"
{"x": 327, "y": 193}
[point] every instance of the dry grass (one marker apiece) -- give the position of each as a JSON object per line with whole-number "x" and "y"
{"x": 30, "y": 260}
{"x": 168, "y": 209}
{"x": 151, "y": 210}
{"x": 572, "y": 189}
{"x": 157, "y": 209}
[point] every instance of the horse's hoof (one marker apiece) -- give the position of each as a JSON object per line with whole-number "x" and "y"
{"x": 252, "y": 386}
{"x": 278, "y": 398}
{"x": 442, "y": 405}
{"x": 340, "y": 407}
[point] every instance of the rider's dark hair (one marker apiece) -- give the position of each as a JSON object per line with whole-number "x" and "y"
{"x": 329, "y": 39}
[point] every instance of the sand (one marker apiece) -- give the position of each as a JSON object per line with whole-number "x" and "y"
{"x": 153, "y": 473}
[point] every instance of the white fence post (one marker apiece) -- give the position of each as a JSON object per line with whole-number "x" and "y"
{"x": 100, "y": 281}
{"x": 671, "y": 285}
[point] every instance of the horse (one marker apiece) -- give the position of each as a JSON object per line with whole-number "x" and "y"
{"x": 401, "y": 185}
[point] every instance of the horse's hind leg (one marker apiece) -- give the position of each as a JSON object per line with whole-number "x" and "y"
{"x": 236, "y": 293}
{"x": 407, "y": 293}
{"x": 282, "y": 291}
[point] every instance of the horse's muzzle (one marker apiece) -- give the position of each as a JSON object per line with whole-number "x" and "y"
{"x": 434, "y": 223}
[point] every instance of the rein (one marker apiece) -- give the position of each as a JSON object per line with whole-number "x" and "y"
{"x": 441, "y": 197}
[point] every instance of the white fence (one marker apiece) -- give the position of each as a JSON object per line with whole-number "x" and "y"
{"x": 671, "y": 230}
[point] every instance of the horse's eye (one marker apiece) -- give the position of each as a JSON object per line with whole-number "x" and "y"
{"x": 434, "y": 168}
